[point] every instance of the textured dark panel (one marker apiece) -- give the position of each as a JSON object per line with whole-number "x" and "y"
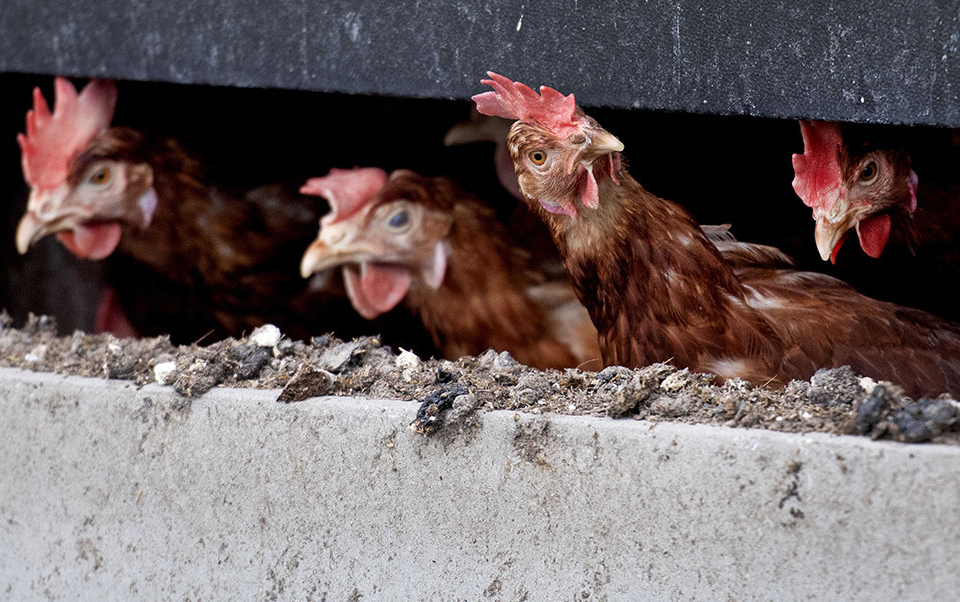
{"x": 874, "y": 62}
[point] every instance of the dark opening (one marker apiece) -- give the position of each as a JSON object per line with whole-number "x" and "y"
{"x": 733, "y": 170}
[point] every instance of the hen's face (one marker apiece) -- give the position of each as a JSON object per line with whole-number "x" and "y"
{"x": 558, "y": 173}
{"x": 88, "y": 211}
{"x": 879, "y": 181}
{"x": 878, "y": 186}
{"x": 396, "y": 240}
{"x": 851, "y": 183}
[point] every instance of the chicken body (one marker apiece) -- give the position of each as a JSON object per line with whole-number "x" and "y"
{"x": 658, "y": 290}
{"x": 444, "y": 254}
{"x": 185, "y": 259}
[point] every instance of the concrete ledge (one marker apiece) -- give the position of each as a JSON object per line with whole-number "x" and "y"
{"x": 109, "y": 492}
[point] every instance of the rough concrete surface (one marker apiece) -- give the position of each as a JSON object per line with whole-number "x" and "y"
{"x": 112, "y": 492}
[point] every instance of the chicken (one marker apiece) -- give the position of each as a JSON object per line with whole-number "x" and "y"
{"x": 657, "y": 289}
{"x": 862, "y": 178}
{"x": 406, "y": 237}
{"x": 529, "y": 226}
{"x": 185, "y": 258}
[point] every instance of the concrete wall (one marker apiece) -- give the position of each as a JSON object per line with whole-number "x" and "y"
{"x": 110, "y": 492}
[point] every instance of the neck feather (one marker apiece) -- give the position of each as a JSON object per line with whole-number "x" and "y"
{"x": 648, "y": 276}
{"x": 172, "y": 240}
{"x": 483, "y": 301}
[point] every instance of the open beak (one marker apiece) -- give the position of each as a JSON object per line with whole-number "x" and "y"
{"x": 44, "y": 216}
{"x": 320, "y": 256}
{"x": 830, "y": 233}
{"x": 829, "y": 236}
{"x": 601, "y": 143}
{"x": 29, "y": 231}
{"x": 374, "y": 286}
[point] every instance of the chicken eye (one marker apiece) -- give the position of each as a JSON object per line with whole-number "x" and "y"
{"x": 869, "y": 172}
{"x": 399, "y": 219}
{"x": 538, "y": 157}
{"x": 100, "y": 176}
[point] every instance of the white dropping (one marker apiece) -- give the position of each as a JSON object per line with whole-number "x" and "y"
{"x": 267, "y": 335}
{"x": 675, "y": 381}
{"x": 409, "y": 365}
{"x": 163, "y": 372}
{"x": 407, "y": 360}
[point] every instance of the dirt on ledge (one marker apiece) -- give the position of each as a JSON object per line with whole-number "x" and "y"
{"x": 452, "y": 393}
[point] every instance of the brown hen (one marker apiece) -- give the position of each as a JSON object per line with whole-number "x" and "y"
{"x": 861, "y": 178}
{"x": 443, "y": 253}
{"x": 186, "y": 258}
{"x": 903, "y": 204}
{"x": 658, "y": 290}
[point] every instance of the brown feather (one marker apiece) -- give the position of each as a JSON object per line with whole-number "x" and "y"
{"x": 489, "y": 297}
{"x": 657, "y": 289}
{"x": 212, "y": 264}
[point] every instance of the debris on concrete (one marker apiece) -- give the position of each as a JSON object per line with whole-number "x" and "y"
{"x": 832, "y": 401}
{"x": 428, "y": 418}
{"x": 306, "y": 383}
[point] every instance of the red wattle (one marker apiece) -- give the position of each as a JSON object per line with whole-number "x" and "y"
{"x": 613, "y": 160}
{"x": 112, "y": 318}
{"x": 375, "y": 289}
{"x": 560, "y": 208}
{"x": 591, "y": 192}
{"x": 874, "y": 232}
{"x": 92, "y": 241}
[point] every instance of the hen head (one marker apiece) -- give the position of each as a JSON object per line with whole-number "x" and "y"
{"x": 852, "y": 183}
{"x": 388, "y": 234}
{"x": 556, "y": 149}
{"x": 80, "y": 187}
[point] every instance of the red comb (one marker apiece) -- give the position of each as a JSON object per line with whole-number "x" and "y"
{"x": 513, "y": 100}
{"x": 348, "y": 190}
{"x": 53, "y": 140}
{"x": 817, "y": 176}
